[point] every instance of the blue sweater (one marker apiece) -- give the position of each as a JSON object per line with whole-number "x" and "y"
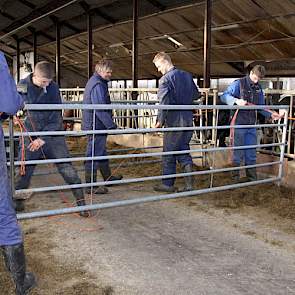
{"x": 176, "y": 87}
{"x": 244, "y": 88}
{"x": 41, "y": 120}
{"x": 97, "y": 92}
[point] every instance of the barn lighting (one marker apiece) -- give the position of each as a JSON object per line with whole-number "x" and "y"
{"x": 226, "y": 27}
{"x": 120, "y": 44}
{"x": 173, "y": 40}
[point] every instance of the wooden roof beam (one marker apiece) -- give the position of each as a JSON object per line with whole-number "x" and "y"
{"x": 238, "y": 66}
{"x": 27, "y": 3}
{"x": 37, "y": 14}
{"x": 157, "y": 4}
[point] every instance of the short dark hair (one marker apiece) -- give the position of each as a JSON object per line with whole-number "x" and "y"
{"x": 258, "y": 70}
{"x": 45, "y": 68}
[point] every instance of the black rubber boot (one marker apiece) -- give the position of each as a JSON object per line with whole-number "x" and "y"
{"x": 85, "y": 214}
{"x": 164, "y": 188}
{"x": 188, "y": 179}
{"x": 15, "y": 262}
{"x": 19, "y": 205}
{"x": 251, "y": 174}
{"x": 106, "y": 173}
{"x": 95, "y": 190}
{"x": 235, "y": 174}
{"x": 80, "y": 201}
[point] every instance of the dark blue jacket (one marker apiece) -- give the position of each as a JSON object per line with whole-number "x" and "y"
{"x": 41, "y": 120}
{"x": 10, "y": 100}
{"x": 97, "y": 92}
{"x": 176, "y": 87}
{"x": 244, "y": 88}
{"x": 10, "y": 103}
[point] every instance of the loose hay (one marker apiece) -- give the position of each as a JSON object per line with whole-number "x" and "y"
{"x": 54, "y": 277}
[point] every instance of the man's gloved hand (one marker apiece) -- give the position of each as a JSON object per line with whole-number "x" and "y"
{"x": 36, "y": 144}
{"x": 240, "y": 102}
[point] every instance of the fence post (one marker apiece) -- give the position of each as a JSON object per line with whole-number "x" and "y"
{"x": 11, "y": 155}
{"x": 282, "y": 147}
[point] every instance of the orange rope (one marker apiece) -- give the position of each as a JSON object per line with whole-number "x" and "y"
{"x": 23, "y": 154}
{"x": 62, "y": 195}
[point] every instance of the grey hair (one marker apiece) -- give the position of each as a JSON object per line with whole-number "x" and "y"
{"x": 103, "y": 65}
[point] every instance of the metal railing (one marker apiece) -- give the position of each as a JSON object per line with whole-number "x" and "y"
{"x": 281, "y": 95}
{"x": 136, "y": 107}
{"x": 143, "y": 118}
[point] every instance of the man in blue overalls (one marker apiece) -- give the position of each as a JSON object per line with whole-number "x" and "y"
{"x": 176, "y": 87}
{"x": 38, "y": 88}
{"x": 96, "y": 92}
{"x": 11, "y": 241}
{"x": 241, "y": 92}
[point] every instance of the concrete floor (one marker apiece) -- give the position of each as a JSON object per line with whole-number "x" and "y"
{"x": 172, "y": 247}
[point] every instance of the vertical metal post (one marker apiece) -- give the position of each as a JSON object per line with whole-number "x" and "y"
{"x": 282, "y": 147}
{"x": 17, "y": 60}
{"x": 206, "y": 124}
{"x": 124, "y": 112}
{"x": 11, "y": 133}
{"x": 89, "y": 43}
{"x": 157, "y": 82}
{"x": 35, "y": 46}
{"x": 57, "y": 52}
{"x": 135, "y": 45}
{"x": 214, "y": 119}
{"x": 290, "y": 124}
{"x": 207, "y": 44}
{"x": 135, "y": 57}
{"x": 11, "y": 155}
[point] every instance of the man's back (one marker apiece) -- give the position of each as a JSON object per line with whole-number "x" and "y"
{"x": 177, "y": 88}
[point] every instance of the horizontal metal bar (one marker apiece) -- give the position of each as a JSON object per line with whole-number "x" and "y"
{"x": 133, "y": 163}
{"x": 134, "y": 149}
{"x": 114, "y": 101}
{"x": 141, "y": 179}
{"x": 135, "y": 101}
{"x": 140, "y": 200}
{"x": 144, "y": 148}
{"x": 130, "y": 89}
{"x": 128, "y": 156}
{"x": 139, "y": 130}
{"x": 78, "y": 119}
{"x": 142, "y": 107}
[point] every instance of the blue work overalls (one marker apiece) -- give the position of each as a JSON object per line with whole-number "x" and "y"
{"x": 96, "y": 92}
{"x": 55, "y": 146}
{"x": 245, "y": 89}
{"x": 176, "y": 87}
{"x": 10, "y": 103}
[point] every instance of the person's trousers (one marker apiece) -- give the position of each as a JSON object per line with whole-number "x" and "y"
{"x": 244, "y": 137}
{"x": 175, "y": 141}
{"x": 10, "y": 232}
{"x": 54, "y": 148}
{"x": 96, "y": 148}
